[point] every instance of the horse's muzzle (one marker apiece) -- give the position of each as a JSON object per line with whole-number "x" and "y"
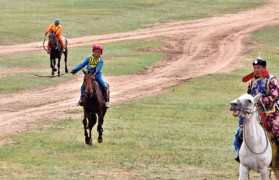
{"x": 89, "y": 94}
{"x": 234, "y": 108}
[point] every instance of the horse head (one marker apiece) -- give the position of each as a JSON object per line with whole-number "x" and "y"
{"x": 89, "y": 84}
{"x": 53, "y": 41}
{"x": 244, "y": 105}
{"x": 255, "y": 152}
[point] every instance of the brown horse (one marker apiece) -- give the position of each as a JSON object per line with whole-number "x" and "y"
{"x": 94, "y": 107}
{"x": 56, "y": 53}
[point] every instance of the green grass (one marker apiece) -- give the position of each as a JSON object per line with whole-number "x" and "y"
{"x": 25, "y": 21}
{"x": 159, "y": 137}
{"x": 120, "y": 58}
{"x": 184, "y": 133}
{"x": 268, "y": 48}
{"x": 22, "y": 81}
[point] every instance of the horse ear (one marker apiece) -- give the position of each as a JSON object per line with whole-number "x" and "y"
{"x": 84, "y": 72}
{"x": 257, "y": 97}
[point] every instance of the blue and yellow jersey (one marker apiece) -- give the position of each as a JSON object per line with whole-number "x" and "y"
{"x": 92, "y": 64}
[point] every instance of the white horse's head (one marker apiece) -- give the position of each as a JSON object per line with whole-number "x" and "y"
{"x": 244, "y": 105}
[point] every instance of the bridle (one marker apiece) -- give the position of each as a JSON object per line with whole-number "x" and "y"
{"x": 91, "y": 93}
{"x": 244, "y": 110}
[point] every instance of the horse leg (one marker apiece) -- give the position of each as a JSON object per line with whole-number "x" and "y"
{"x": 100, "y": 126}
{"x": 85, "y": 128}
{"x": 58, "y": 65}
{"x": 243, "y": 172}
{"x": 276, "y": 173}
{"x": 264, "y": 173}
{"x": 65, "y": 60}
{"x": 92, "y": 122}
{"x": 52, "y": 66}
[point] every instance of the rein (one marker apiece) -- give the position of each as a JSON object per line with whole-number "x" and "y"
{"x": 250, "y": 149}
{"x": 44, "y": 45}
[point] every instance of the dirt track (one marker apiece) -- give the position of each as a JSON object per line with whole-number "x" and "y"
{"x": 201, "y": 47}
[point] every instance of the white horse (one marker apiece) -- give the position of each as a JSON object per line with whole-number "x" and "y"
{"x": 255, "y": 152}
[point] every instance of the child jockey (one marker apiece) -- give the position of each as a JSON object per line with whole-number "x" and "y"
{"x": 93, "y": 63}
{"x": 238, "y": 138}
{"x": 57, "y": 28}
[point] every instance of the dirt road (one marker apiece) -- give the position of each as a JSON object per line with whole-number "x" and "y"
{"x": 194, "y": 48}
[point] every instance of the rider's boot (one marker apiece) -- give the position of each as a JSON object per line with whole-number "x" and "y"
{"x": 237, "y": 158}
{"x": 107, "y": 98}
{"x": 81, "y": 101}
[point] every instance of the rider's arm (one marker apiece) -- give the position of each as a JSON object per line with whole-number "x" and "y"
{"x": 48, "y": 28}
{"x": 81, "y": 65}
{"x": 273, "y": 94}
{"x": 99, "y": 66}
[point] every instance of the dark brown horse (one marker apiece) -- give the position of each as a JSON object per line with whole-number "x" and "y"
{"x": 94, "y": 107}
{"x": 56, "y": 53}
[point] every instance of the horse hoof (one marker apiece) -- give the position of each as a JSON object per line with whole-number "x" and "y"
{"x": 66, "y": 71}
{"x": 88, "y": 142}
{"x": 100, "y": 140}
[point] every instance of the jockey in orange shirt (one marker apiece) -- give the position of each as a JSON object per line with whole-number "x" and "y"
{"x": 57, "y": 28}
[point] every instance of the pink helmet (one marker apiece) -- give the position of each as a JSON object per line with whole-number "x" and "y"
{"x": 94, "y": 47}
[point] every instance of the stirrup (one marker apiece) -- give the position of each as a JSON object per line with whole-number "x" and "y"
{"x": 107, "y": 104}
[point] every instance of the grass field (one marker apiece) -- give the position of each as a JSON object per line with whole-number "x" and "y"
{"x": 184, "y": 133}
{"x": 120, "y": 58}
{"x": 25, "y": 21}
{"x": 26, "y": 24}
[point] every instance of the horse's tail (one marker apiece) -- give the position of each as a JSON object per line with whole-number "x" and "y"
{"x": 66, "y": 42}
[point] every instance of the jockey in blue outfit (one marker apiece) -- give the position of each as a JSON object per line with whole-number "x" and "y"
{"x": 93, "y": 63}
{"x": 238, "y": 138}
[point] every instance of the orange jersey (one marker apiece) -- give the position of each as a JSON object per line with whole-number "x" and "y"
{"x": 54, "y": 28}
